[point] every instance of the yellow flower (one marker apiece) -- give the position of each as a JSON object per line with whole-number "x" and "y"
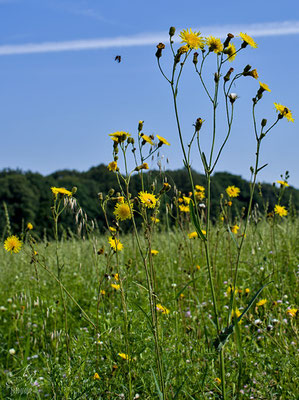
{"x": 122, "y": 211}
{"x": 124, "y": 356}
{"x": 155, "y": 220}
{"x": 115, "y": 244}
{"x": 203, "y": 232}
{"x": 115, "y": 286}
{"x": 29, "y": 226}
{"x": 229, "y": 290}
{"x": 284, "y": 111}
{"x": 280, "y": 210}
{"x": 248, "y": 40}
{"x": 235, "y": 229}
{"x": 218, "y": 381}
{"x": 261, "y": 302}
{"x": 146, "y": 138}
{"x": 186, "y": 199}
{"x": 247, "y": 290}
{"x": 200, "y": 188}
{"x": 163, "y": 309}
{"x": 103, "y": 292}
{"x": 214, "y": 44}
{"x": 148, "y": 199}
{"x": 62, "y": 191}
{"x": 112, "y": 229}
{"x": 13, "y": 244}
{"x": 232, "y": 191}
{"x": 154, "y": 252}
{"x": 292, "y": 312}
{"x": 263, "y": 86}
{"x": 96, "y": 376}
{"x": 192, "y": 39}
{"x": 184, "y": 208}
{"x": 231, "y": 52}
{"x": 192, "y": 235}
{"x": 198, "y": 267}
{"x": 162, "y": 140}
{"x": 112, "y": 166}
{"x": 229, "y": 203}
{"x": 119, "y": 136}
{"x": 236, "y": 313}
{"x": 283, "y": 183}
{"x": 199, "y": 195}
{"x": 116, "y": 277}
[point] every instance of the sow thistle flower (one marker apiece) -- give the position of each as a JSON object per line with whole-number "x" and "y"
{"x": 292, "y": 312}
{"x": 264, "y": 87}
{"x": 154, "y": 252}
{"x": 232, "y": 191}
{"x": 284, "y": 112}
{"x": 236, "y": 314}
{"x": 163, "y": 309}
{"x": 119, "y": 136}
{"x": 214, "y": 44}
{"x": 192, "y": 39}
{"x": 184, "y": 208}
{"x": 283, "y": 183}
{"x": 115, "y": 244}
{"x": 115, "y": 286}
{"x": 280, "y": 210}
{"x": 235, "y": 229}
{"x": 62, "y": 191}
{"x": 230, "y": 51}
{"x": 124, "y": 356}
{"x": 12, "y": 244}
{"x": 112, "y": 166}
{"x": 192, "y": 235}
{"x": 122, "y": 211}
{"x": 29, "y": 226}
{"x": 162, "y": 141}
{"x": 247, "y": 40}
{"x": 148, "y": 199}
{"x": 146, "y": 139}
{"x": 261, "y": 303}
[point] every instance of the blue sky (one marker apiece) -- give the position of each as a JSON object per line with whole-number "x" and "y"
{"x": 62, "y": 93}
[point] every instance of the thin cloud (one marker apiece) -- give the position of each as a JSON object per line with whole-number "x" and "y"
{"x": 256, "y": 30}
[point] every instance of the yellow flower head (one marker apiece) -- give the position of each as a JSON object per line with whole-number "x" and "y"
{"x": 248, "y": 40}
{"x": 283, "y": 183}
{"x": 218, "y": 381}
{"x": 148, "y": 199}
{"x": 280, "y": 210}
{"x": 200, "y": 188}
{"x": 192, "y": 235}
{"x": 292, "y": 312}
{"x": 116, "y": 277}
{"x": 119, "y": 136}
{"x": 124, "y": 356}
{"x": 96, "y": 376}
{"x": 232, "y": 191}
{"x": 112, "y": 166}
{"x": 199, "y": 195}
{"x": 162, "y": 140}
{"x": 247, "y": 290}
{"x": 214, "y": 44}
{"x": 184, "y": 208}
{"x": 115, "y": 244}
{"x": 261, "y": 302}
{"x": 284, "y": 111}
{"x": 122, "y": 211}
{"x": 163, "y": 309}
{"x": 264, "y": 87}
{"x": 103, "y": 292}
{"x": 155, "y": 220}
{"x": 236, "y": 313}
{"x": 112, "y": 229}
{"x": 13, "y": 244}
{"x": 235, "y": 229}
{"x": 146, "y": 138}
{"x": 115, "y": 286}
{"x": 231, "y": 52}
{"x": 29, "y": 226}
{"x": 154, "y": 252}
{"x": 192, "y": 39}
{"x": 62, "y": 191}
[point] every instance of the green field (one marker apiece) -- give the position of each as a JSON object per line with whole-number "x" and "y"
{"x": 55, "y": 359}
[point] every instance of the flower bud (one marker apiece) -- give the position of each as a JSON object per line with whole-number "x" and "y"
{"x": 111, "y": 192}
{"x": 264, "y": 122}
{"x": 247, "y": 69}
{"x": 160, "y": 47}
{"x": 227, "y": 76}
{"x": 227, "y": 40}
{"x": 216, "y": 77}
{"x": 140, "y": 125}
{"x": 100, "y": 196}
{"x": 74, "y": 190}
{"x": 198, "y": 124}
{"x": 195, "y": 58}
{"x": 171, "y": 31}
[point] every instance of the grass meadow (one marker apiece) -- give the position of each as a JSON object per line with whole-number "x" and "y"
{"x": 79, "y": 361}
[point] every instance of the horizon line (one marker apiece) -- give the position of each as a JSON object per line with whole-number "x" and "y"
{"x": 144, "y": 39}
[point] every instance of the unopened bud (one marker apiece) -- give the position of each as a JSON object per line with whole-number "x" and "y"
{"x": 227, "y": 40}
{"x": 198, "y": 124}
{"x": 227, "y": 76}
{"x": 100, "y": 196}
{"x": 140, "y": 125}
{"x": 264, "y": 122}
{"x": 111, "y": 192}
{"x": 74, "y": 190}
{"x": 216, "y": 77}
{"x": 171, "y": 31}
{"x": 195, "y": 58}
{"x": 246, "y": 69}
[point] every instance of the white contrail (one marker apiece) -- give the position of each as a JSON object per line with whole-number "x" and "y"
{"x": 256, "y": 30}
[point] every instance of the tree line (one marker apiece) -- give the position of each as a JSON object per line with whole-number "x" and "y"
{"x": 28, "y": 198}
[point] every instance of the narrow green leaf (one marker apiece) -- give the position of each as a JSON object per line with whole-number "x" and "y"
{"x": 157, "y": 385}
